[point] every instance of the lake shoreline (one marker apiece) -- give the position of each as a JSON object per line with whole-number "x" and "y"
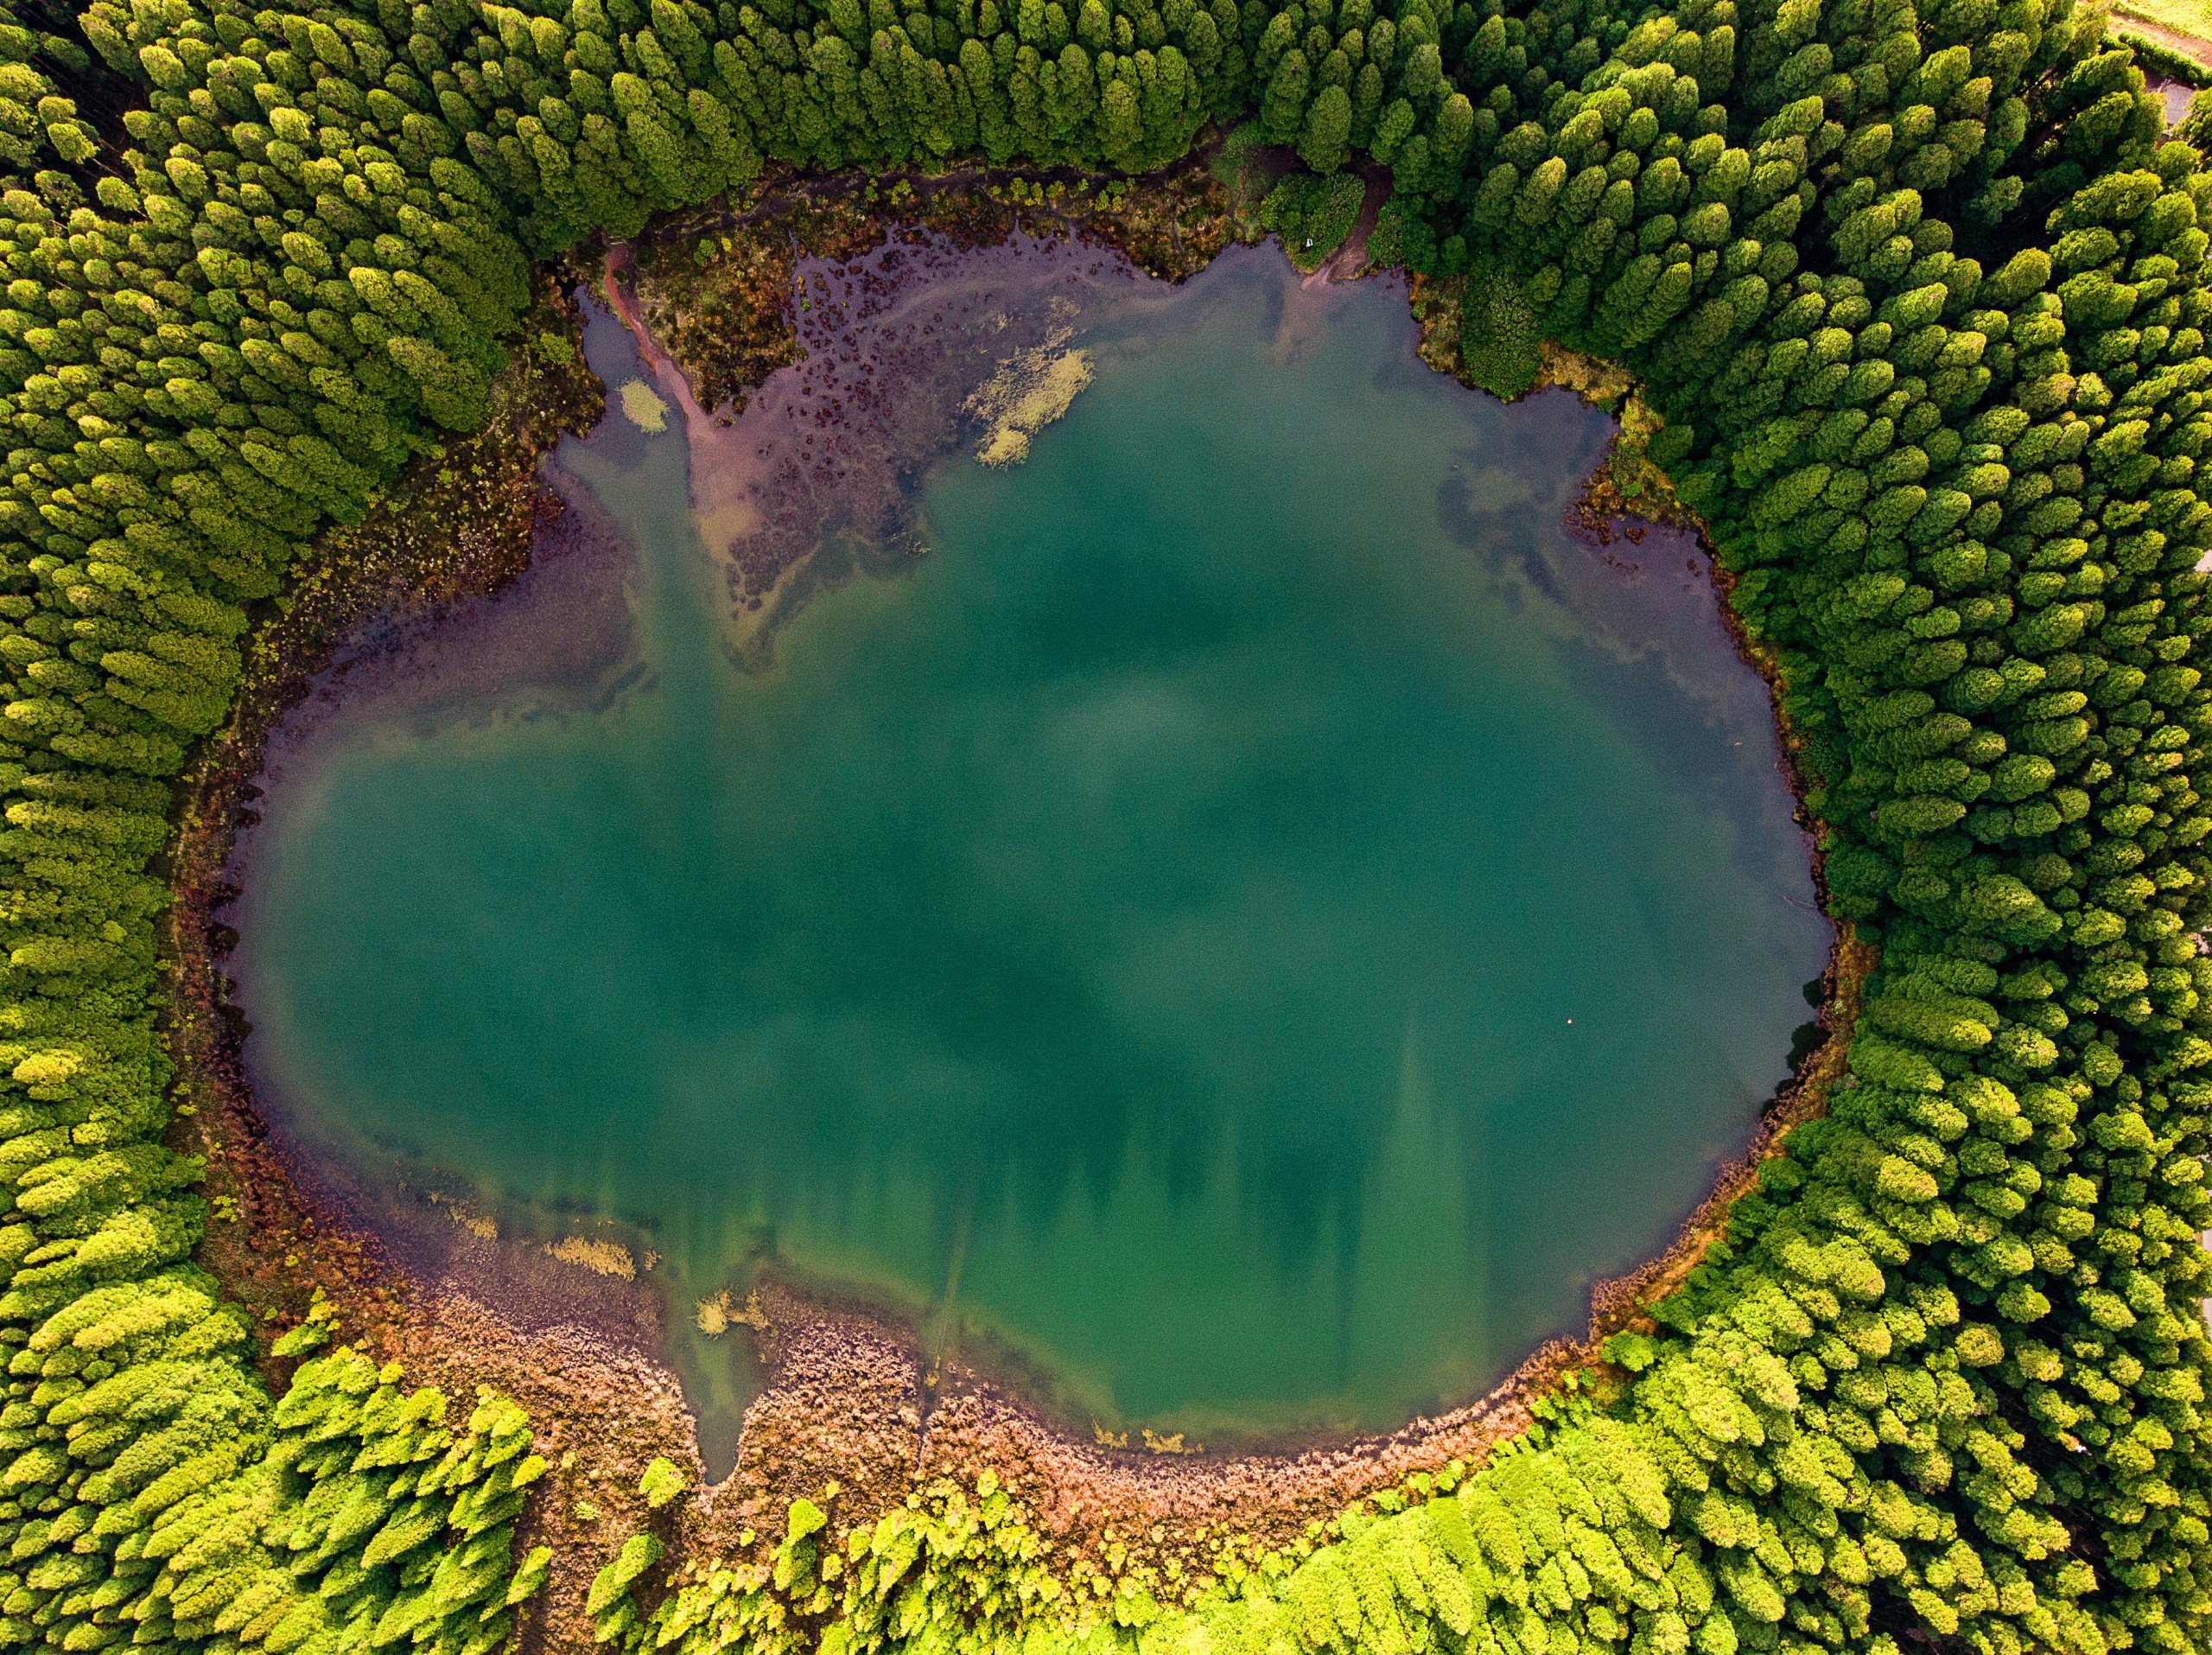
{"x": 848, "y": 1393}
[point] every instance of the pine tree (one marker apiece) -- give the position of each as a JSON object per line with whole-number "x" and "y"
{"x": 1326, "y": 132}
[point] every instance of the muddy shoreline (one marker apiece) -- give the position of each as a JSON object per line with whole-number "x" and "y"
{"x": 849, "y": 1394}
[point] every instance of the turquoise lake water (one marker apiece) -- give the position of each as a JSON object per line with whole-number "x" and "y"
{"x": 1249, "y": 925}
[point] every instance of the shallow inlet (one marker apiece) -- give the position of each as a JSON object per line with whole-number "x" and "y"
{"x": 1248, "y": 927}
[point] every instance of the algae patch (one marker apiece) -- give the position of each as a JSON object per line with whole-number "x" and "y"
{"x": 477, "y": 1224}
{"x": 607, "y": 1257}
{"x": 643, "y": 407}
{"x": 720, "y": 1311}
{"x": 1030, "y": 390}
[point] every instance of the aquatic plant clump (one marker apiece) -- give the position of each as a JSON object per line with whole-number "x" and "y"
{"x": 643, "y": 407}
{"x": 1920, "y": 293}
{"x": 1027, "y": 394}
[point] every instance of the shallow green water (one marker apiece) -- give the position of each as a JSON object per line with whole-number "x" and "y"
{"x": 1254, "y": 921}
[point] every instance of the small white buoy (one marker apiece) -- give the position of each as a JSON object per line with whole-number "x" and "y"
{"x": 1570, "y": 1022}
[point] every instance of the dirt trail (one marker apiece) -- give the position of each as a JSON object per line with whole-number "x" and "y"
{"x": 2197, "y": 49}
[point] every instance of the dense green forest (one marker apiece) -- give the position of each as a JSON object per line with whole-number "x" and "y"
{"x": 1920, "y": 292}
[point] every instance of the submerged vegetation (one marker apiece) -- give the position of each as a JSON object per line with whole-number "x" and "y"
{"x": 1920, "y": 295}
{"x": 643, "y": 407}
{"x": 1028, "y": 391}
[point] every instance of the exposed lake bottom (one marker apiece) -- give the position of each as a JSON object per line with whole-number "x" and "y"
{"x": 1239, "y": 914}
